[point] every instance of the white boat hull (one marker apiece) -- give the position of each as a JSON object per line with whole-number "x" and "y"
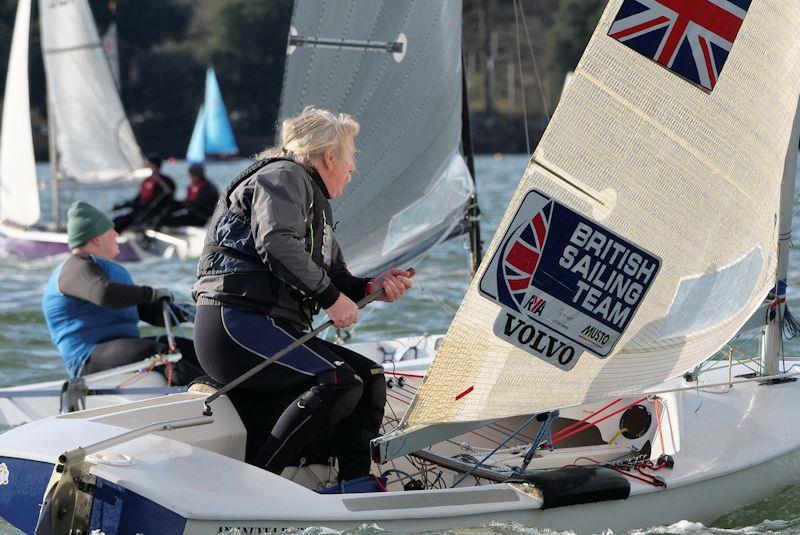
{"x": 736, "y": 448}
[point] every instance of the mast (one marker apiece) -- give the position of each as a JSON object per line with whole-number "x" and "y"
{"x": 52, "y": 152}
{"x": 772, "y": 340}
{"x": 52, "y": 147}
{"x": 473, "y": 212}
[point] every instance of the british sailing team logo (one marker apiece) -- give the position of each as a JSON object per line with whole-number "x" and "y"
{"x": 4, "y": 473}
{"x": 566, "y": 284}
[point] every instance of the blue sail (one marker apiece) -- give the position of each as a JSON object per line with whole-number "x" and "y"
{"x": 197, "y": 146}
{"x": 212, "y": 135}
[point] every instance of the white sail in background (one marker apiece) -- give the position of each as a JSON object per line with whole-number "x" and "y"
{"x": 669, "y": 187}
{"x": 19, "y": 193}
{"x": 411, "y": 184}
{"x": 95, "y": 142}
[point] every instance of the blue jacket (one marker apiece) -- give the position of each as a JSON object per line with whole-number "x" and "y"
{"x": 79, "y": 312}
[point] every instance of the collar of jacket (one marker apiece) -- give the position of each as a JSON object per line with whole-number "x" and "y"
{"x": 315, "y": 176}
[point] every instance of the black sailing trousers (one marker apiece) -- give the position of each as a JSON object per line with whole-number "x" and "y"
{"x": 319, "y": 389}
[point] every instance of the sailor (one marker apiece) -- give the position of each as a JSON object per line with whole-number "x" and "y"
{"x": 156, "y": 196}
{"x": 270, "y": 263}
{"x": 92, "y": 307}
{"x": 201, "y": 199}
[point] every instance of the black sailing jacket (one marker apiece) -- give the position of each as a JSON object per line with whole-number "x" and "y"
{"x": 270, "y": 246}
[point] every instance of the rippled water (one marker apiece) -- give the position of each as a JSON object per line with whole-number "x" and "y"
{"x": 26, "y": 354}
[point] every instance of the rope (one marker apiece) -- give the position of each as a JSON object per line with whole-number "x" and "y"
{"x": 545, "y": 103}
{"x": 522, "y": 81}
{"x": 791, "y": 328}
{"x": 616, "y": 435}
{"x": 578, "y": 423}
{"x": 444, "y": 306}
{"x": 546, "y": 429}
{"x": 506, "y": 441}
{"x": 590, "y": 424}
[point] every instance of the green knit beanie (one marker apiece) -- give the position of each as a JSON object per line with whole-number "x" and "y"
{"x": 85, "y": 222}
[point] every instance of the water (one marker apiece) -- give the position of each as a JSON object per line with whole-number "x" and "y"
{"x": 26, "y": 354}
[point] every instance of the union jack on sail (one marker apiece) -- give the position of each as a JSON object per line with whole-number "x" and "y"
{"x": 692, "y": 38}
{"x": 523, "y": 251}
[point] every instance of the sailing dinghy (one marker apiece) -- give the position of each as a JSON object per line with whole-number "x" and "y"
{"x": 91, "y": 140}
{"x": 652, "y": 221}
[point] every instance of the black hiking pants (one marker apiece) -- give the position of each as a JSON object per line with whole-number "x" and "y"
{"x": 317, "y": 390}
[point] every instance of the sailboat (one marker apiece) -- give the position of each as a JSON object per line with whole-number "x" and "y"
{"x": 91, "y": 140}
{"x": 666, "y": 189}
{"x": 212, "y": 137}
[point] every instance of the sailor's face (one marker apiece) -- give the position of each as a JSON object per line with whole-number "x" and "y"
{"x": 342, "y": 166}
{"x": 107, "y": 245}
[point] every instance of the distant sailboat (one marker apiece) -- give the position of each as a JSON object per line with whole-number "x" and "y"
{"x": 212, "y": 137}
{"x": 91, "y": 140}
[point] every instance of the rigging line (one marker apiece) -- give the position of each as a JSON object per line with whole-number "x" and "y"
{"x": 506, "y": 441}
{"x": 444, "y": 306}
{"x": 522, "y": 80}
{"x": 545, "y": 101}
{"x": 87, "y": 46}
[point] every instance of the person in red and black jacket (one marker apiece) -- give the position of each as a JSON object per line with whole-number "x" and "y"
{"x": 156, "y": 196}
{"x": 201, "y": 199}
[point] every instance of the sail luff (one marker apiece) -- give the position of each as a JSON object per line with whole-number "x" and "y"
{"x": 681, "y": 178}
{"x": 196, "y": 152}
{"x": 19, "y": 192}
{"x": 219, "y": 139}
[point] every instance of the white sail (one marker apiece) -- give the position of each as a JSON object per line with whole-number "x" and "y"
{"x": 19, "y": 193}
{"x": 645, "y": 227}
{"x": 394, "y": 65}
{"x": 94, "y": 140}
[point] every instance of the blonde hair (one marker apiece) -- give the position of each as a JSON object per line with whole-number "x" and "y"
{"x": 312, "y": 133}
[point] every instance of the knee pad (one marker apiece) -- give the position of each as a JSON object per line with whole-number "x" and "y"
{"x": 342, "y": 399}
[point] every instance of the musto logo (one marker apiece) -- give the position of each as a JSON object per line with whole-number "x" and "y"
{"x": 566, "y": 283}
{"x": 3, "y": 474}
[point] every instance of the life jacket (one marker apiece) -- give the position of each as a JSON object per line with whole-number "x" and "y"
{"x": 77, "y": 325}
{"x": 239, "y": 259}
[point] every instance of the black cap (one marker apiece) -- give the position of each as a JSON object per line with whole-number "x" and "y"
{"x": 155, "y": 158}
{"x": 196, "y": 169}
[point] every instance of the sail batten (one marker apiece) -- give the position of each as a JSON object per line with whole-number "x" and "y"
{"x": 643, "y": 233}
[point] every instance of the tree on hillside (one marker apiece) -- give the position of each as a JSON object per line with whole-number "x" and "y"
{"x": 247, "y": 47}
{"x": 573, "y": 24}
{"x": 8, "y": 10}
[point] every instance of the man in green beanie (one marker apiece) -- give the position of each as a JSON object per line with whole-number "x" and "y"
{"x": 92, "y": 307}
